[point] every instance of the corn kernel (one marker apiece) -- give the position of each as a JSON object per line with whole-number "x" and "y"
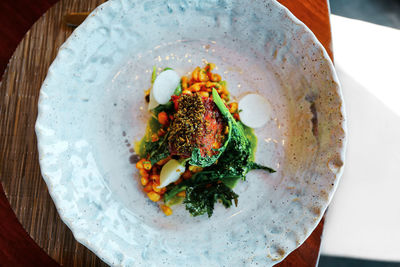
{"x": 143, "y": 173}
{"x": 195, "y": 87}
{"x": 139, "y": 164}
{"x": 210, "y": 67}
{"x": 187, "y": 174}
{"x": 195, "y": 169}
{"x": 186, "y": 92}
{"x": 224, "y": 90}
{"x": 215, "y": 77}
{"x": 167, "y": 210}
{"x": 155, "y": 187}
{"x": 233, "y": 107}
{"x": 144, "y": 181}
{"x": 181, "y": 194}
{"x": 184, "y": 82}
{"x": 155, "y": 177}
{"x": 203, "y": 77}
{"x": 147, "y": 165}
{"x": 210, "y": 84}
{"x": 148, "y": 187}
{"x": 204, "y": 94}
{"x": 226, "y": 130}
{"x": 163, "y": 161}
{"x": 153, "y": 196}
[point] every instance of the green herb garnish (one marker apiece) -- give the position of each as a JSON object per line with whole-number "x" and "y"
{"x": 158, "y": 150}
{"x": 153, "y": 74}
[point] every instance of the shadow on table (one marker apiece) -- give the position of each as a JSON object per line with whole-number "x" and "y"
{"x": 327, "y": 261}
{"x": 382, "y": 12}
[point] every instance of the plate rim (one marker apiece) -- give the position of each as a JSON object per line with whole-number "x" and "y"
{"x": 48, "y": 180}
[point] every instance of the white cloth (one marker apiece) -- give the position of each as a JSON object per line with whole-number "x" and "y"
{"x": 363, "y": 219}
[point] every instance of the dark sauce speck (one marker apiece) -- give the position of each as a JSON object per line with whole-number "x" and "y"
{"x": 133, "y": 159}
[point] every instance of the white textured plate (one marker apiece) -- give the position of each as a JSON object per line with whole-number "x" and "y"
{"x": 92, "y": 103}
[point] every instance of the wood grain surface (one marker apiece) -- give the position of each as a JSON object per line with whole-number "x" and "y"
{"x": 19, "y": 168}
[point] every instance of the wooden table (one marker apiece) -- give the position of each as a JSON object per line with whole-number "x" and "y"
{"x": 17, "y": 248}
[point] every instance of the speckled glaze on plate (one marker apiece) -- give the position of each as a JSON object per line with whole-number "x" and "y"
{"x": 92, "y": 107}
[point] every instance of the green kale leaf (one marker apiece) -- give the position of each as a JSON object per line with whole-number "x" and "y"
{"x": 237, "y": 158}
{"x": 200, "y": 199}
{"x": 204, "y": 161}
{"x": 203, "y": 190}
{"x": 168, "y": 108}
{"x": 158, "y": 150}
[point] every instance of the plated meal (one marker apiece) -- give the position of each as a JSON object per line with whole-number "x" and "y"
{"x": 202, "y": 144}
{"x": 195, "y": 148}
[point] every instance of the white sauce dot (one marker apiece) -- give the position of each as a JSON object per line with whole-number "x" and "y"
{"x": 255, "y": 110}
{"x": 164, "y": 86}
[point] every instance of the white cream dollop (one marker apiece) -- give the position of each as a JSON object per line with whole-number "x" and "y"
{"x": 164, "y": 86}
{"x": 255, "y": 110}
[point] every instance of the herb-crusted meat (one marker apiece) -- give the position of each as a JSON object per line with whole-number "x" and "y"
{"x": 214, "y": 126}
{"x": 196, "y": 124}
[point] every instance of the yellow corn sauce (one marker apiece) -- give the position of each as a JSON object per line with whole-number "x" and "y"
{"x": 152, "y": 127}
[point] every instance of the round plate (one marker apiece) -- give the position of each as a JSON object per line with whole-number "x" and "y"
{"x": 92, "y": 108}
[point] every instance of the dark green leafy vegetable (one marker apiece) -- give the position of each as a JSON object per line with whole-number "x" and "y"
{"x": 204, "y": 161}
{"x": 203, "y": 190}
{"x": 237, "y": 158}
{"x": 217, "y": 181}
{"x": 173, "y": 190}
{"x": 168, "y": 108}
{"x": 256, "y": 166}
{"x": 158, "y": 150}
{"x": 178, "y": 90}
{"x": 200, "y": 199}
